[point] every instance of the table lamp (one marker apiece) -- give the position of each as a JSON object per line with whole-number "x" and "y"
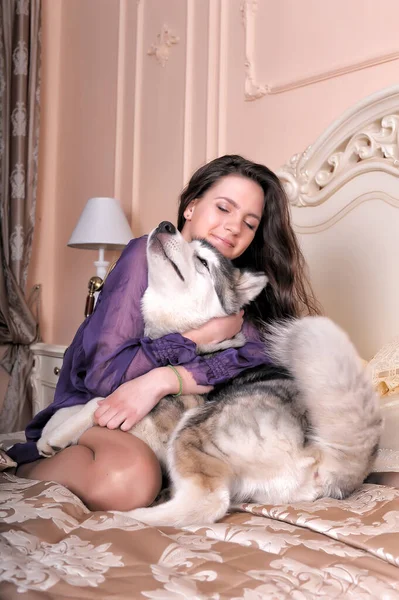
{"x": 101, "y": 226}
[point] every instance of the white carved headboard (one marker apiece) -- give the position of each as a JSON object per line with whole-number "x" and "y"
{"x": 344, "y": 194}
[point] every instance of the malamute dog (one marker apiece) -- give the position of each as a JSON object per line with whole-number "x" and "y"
{"x": 305, "y": 428}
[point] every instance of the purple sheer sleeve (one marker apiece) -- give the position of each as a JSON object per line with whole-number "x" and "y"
{"x": 225, "y": 365}
{"x": 113, "y": 342}
{"x": 109, "y": 348}
{"x": 119, "y": 353}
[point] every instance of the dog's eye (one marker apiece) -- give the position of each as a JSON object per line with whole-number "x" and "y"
{"x": 204, "y": 262}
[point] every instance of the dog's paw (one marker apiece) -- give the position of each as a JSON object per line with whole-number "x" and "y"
{"x": 44, "y": 448}
{"x": 235, "y": 342}
{"x": 48, "y": 446}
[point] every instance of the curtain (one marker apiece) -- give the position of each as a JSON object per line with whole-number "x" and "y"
{"x": 19, "y": 132}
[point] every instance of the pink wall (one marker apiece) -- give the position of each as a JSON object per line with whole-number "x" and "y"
{"x": 117, "y": 121}
{"x": 77, "y": 152}
{"x": 297, "y": 40}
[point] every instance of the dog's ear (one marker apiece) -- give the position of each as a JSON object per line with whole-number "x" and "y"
{"x": 249, "y": 285}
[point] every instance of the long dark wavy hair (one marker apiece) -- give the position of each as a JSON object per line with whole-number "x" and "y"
{"x": 274, "y": 249}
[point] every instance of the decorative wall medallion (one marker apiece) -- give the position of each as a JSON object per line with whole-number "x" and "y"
{"x": 161, "y": 50}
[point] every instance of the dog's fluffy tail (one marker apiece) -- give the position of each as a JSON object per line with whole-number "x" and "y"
{"x": 341, "y": 405}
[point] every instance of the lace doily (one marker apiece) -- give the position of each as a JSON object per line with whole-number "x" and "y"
{"x": 384, "y": 367}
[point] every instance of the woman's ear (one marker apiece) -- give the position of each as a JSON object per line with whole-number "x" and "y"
{"x": 188, "y": 213}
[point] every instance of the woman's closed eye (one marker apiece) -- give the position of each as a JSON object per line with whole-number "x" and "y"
{"x": 226, "y": 210}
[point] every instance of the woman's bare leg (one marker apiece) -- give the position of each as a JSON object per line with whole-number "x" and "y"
{"x": 107, "y": 469}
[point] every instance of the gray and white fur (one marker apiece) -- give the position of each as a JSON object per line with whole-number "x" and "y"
{"x": 306, "y": 427}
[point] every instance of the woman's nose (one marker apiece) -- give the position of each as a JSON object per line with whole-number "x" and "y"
{"x": 233, "y": 225}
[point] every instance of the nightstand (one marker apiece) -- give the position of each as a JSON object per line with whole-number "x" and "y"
{"x": 48, "y": 362}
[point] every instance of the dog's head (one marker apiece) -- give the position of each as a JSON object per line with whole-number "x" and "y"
{"x": 190, "y": 283}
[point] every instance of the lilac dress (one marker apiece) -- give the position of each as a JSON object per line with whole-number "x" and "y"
{"x": 109, "y": 348}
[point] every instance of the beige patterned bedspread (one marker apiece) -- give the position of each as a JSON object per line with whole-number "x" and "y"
{"x": 52, "y": 546}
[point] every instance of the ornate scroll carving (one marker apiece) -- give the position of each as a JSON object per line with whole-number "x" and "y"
{"x": 375, "y": 141}
{"x": 295, "y": 178}
{"x": 365, "y": 138}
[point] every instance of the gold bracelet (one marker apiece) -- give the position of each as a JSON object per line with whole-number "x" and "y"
{"x": 179, "y": 377}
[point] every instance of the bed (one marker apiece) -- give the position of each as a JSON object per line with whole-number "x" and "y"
{"x": 345, "y": 199}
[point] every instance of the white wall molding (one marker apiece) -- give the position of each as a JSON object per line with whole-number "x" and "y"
{"x": 137, "y": 116}
{"x": 120, "y": 95}
{"x": 161, "y": 49}
{"x": 212, "y": 104}
{"x": 188, "y": 91}
{"x": 217, "y": 78}
{"x": 223, "y": 77}
{"x": 255, "y": 90}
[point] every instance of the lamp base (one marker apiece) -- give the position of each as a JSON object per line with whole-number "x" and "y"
{"x": 101, "y": 268}
{"x": 101, "y": 264}
{"x": 95, "y": 285}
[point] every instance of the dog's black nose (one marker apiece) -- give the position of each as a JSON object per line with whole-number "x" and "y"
{"x": 166, "y": 227}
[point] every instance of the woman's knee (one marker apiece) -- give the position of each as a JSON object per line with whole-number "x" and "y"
{"x": 126, "y": 488}
{"x": 126, "y": 473}
{"x": 107, "y": 470}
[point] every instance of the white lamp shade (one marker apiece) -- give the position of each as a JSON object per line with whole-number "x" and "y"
{"x": 102, "y": 224}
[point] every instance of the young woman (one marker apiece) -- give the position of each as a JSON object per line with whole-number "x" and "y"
{"x": 241, "y": 209}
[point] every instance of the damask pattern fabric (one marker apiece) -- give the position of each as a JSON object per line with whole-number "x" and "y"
{"x": 19, "y": 129}
{"x": 52, "y": 545}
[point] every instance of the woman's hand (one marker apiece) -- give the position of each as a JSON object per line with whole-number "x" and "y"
{"x": 134, "y": 399}
{"x": 216, "y": 330}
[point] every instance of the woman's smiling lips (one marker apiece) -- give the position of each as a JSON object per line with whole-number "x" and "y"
{"x": 223, "y": 240}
